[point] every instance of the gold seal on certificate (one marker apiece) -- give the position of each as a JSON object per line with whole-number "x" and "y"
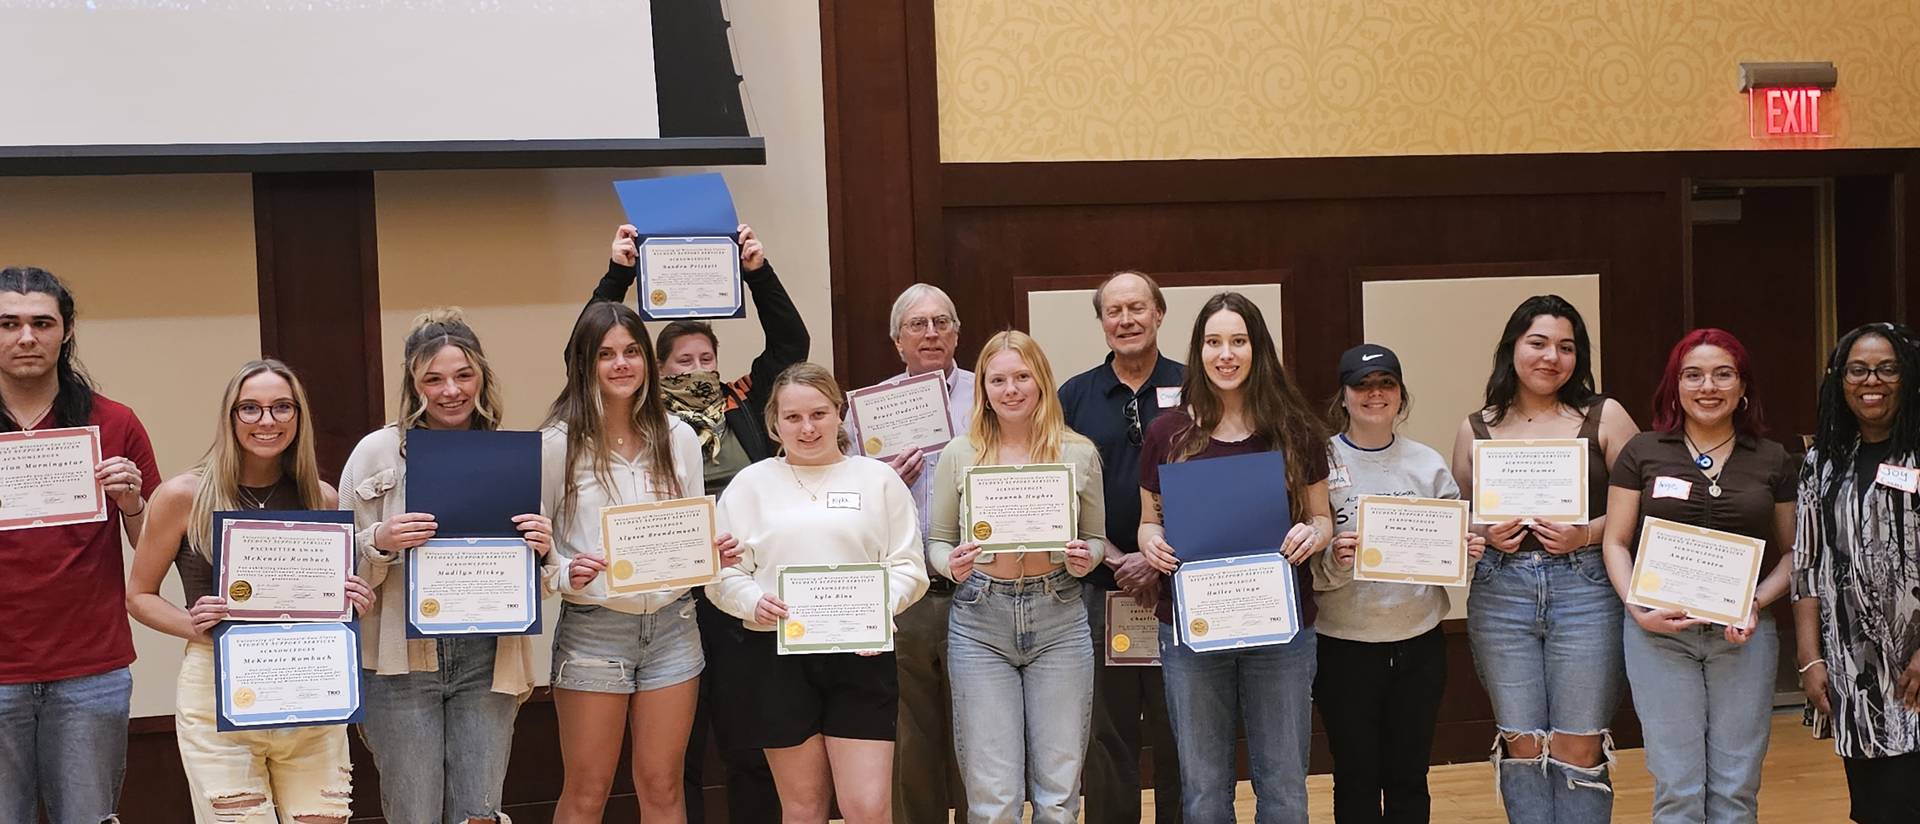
{"x": 46, "y": 478}
{"x": 1543, "y": 479}
{"x": 900, "y": 416}
{"x": 284, "y": 570}
{"x": 659, "y": 545}
{"x": 690, "y": 277}
{"x": 835, "y": 608}
{"x": 1703, "y": 572}
{"x": 1030, "y": 508}
{"x": 1411, "y": 541}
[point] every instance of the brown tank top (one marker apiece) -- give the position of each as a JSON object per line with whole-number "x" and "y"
{"x": 1597, "y": 468}
{"x": 196, "y": 571}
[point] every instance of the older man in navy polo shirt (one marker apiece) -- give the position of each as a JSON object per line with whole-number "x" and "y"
{"x": 1112, "y": 404}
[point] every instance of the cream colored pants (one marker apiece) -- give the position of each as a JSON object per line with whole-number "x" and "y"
{"x": 260, "y": 776}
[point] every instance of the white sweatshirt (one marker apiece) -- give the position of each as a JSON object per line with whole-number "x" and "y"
{"x": 578, "y": 532}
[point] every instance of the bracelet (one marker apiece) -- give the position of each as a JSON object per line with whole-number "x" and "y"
{"x": 1803, "y": 670}
{"x": 143, "y": 511}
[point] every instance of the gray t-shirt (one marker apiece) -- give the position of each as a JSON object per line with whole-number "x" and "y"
{"x": 1365, "y": 610}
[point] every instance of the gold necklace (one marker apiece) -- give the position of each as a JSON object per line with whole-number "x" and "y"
{"x": 812, "y": 495}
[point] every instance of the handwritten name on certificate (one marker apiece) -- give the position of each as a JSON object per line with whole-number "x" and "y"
{"x": 1028, "y": 508}
{"x": 1412, "y": 541}
{"x": 1703, "y": 572}
{"x": 659, "y": 545}
{"x": 285, "y": 570}
{"x": 286, "y": 675}
{"x": 1133, "y": 634}
{"x": 891, "y": 418}
{"x": 835, "y": 608}
{"x": 1232, "y": 603}
{"x": 46, "y": 478}
{"x": 472, "y": 586}
{"x": 690, "y": 277}
{"x": 1544, "y": 479}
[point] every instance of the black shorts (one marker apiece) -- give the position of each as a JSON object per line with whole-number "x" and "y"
{"x": 1884, "y": 790}
{"x": 791, "y": 698}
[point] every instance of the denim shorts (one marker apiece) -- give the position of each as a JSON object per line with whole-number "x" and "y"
{"x": 596, "y": 649}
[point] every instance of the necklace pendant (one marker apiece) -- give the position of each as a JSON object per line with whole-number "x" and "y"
{"x": 1714, "y": 489}
{"x": 1705, "y": 461}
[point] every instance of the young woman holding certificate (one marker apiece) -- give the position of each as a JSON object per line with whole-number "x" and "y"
{"x": 1703, "y": 690}
{"x": 262, "y": 459}
{"x": 826, "y": 721}
{"x": 1383, "y": 658}
{"x": 1239, "y": 401}
{"x": 1856, "y": 569}
{"x": 439, "y": 718}
{"x": 619, "y": 659}
{"x": 1018, "y": 649}
{"x": 1554, "y": 677}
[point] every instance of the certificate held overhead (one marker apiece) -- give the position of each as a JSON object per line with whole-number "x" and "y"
{"x": 689, "y": 251}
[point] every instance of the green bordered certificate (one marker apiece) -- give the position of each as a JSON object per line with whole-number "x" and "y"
{"x": 835, "y": 608}
{"x": 1030, "y": 508}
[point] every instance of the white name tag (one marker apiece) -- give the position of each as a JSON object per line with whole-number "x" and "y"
{"x": 1167, "y": 396}
{"x": 1337, "y": 477}
{"x": 1670, "y": 487}
{"x": 843, "y": 500}
{"x": 1904, "y": 478}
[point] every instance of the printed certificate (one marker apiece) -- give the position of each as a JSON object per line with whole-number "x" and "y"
{"x": 472, "y": 586}
{"x": 1232, "y": 603}
{"x": 1543, "y": 479}
{"x": 1030, "y": 508}
{"x": 286, "y": 675}
{"x": 835, "y": 608}
{"x": 1133, "y": 634}
{"x": 1704, "y": 572}
{"x": 659, "y": 545}
{"x": 284, "y": 570}
{"x": 901, "y": 416}
{"x": 46, "y": 478}
{"x": 1412, "y": 541}
{"x": 689, "y": 277}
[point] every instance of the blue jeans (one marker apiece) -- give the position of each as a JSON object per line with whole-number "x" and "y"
{"x": 441, "y": 739}
{"x": 1705, "y": 705}
{"x": 1546, "y": 642}
{"x": 73, "y": 734}
{"x": 1020, "y": 659}
{"x": 1270, "y": 690}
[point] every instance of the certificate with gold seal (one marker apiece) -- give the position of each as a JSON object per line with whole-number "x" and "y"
{"x": 687, "y": 278}
{"x": 46, "y": 478}
{"x": 1236, "y": 602}
{"x": 1411, "y": 541}
{"x": 286, "y": 675}
{"x": 659, "y": 545}
{"x": 901, "y": 416}
{"x": 1703, "y": 572}
{"x": 1133, "y": 634}
{"x": 1029, "y": 508}
{"x": 472, "y": 586}
{"x": 835, "y": 608}
{"x": 1530, "y": 479}
{"x": 291, "y": 566}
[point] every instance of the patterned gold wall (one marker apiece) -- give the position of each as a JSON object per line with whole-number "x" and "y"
{"x": 1164, "y": 79}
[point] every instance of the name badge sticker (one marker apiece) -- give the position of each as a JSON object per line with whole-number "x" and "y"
{"x": 1167, "y": 396}
{"x": 1904, "y": 478}
{"x": 1670, "y": 487}
{"x": 843, "y": 500}
{"x": 1337, "y": 477}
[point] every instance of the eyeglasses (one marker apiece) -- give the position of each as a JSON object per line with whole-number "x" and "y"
{"x": 1132, "y": 414}
{"x": 918, "y": 326}
{"x": 253, "y": 412}
{"x": 1857, "y": 372}
{"x": 1721, "y": 378}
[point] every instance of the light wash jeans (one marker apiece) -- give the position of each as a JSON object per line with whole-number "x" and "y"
{"x": 1270, "y": 690}
{"x": 64, "y": 744}
{"x": 256, "y": 776}
{"x": 1020, "y": 659}
{"x": 1546, "y": 642}
{"x": 441, "y": 739}
{"x": 1705, "y": 705}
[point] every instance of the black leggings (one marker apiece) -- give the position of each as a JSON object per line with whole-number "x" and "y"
{"x": 1379, "y": 702}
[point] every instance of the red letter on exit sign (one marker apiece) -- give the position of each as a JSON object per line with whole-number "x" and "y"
{"x": 1784, "y": 112}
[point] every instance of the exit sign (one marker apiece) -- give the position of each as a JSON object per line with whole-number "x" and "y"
{"x": 1780, "y": 112}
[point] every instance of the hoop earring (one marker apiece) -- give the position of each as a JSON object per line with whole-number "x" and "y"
{"x": 1743, "y": 401}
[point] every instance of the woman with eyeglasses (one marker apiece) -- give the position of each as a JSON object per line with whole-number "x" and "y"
{"x": 1704, "y": 691}
{"x": 1856, "y": 569}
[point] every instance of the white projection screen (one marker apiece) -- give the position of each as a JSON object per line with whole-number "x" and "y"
{"x": 234, "y": 72}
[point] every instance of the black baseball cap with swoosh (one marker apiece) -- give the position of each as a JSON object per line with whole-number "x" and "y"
{"x": 1358, "y": 363}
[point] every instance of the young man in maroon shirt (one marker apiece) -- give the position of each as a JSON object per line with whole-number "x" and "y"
{"x": 65, "y": 646}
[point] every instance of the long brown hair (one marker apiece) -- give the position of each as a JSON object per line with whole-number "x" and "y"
{"x": 1278, "y": 413}
{"x": 219, "y": 469}
{"x": 1049, "y": 420}
{"x": 580, "y": 409}
{"x": 430, "y": 332}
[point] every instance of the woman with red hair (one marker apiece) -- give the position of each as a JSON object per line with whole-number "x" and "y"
{"x": 1704, "y": 691}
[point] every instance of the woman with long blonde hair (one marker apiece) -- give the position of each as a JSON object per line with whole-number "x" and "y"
{"x": 1019, "y": 649}
{"x": 261, "y": 458}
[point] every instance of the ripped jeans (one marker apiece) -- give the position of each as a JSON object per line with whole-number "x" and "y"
{"x": 256, "y": 776}
{"x": 1547, "y": 645}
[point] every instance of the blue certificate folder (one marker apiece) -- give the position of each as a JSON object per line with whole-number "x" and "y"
{"x": 1223, "y": 507}
{"x": 677, "y": 211}
{"x": 473, "y": 482}
{"x": 294, "y": 687}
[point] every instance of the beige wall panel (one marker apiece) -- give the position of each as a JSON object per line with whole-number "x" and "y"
{"x": 1074, "y": 343}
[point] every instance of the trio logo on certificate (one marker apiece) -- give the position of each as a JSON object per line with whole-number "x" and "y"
{"x": 901, "y": 416}
{"x": 835, "y": 608}
{"x": 286, "y": 675}
{"x": 46, "y": 478}
{"x": 1543, "y": 479}
{"x": 659, "y": 545}
{"x": 472, "y": 586}
{"x": 1411, "y": 541}
{"x": 1703, "y": 572}
{"x": 1235, "y": 603}
{"x": 1030, "y": 508}
{"x": 1133, "y": 634}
